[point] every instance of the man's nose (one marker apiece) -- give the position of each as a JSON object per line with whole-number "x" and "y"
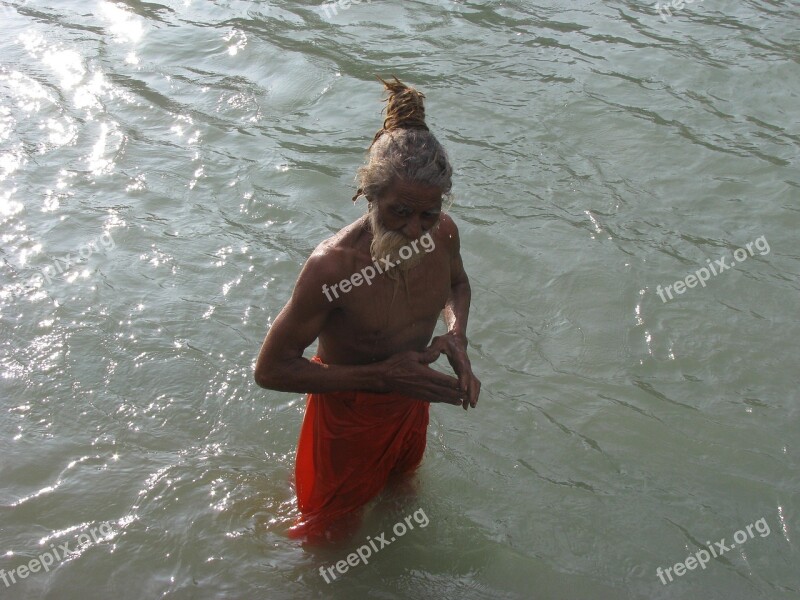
{"x": 413, "y": 228}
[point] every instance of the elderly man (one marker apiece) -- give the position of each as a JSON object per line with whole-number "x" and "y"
{"x": 372, "y": 294}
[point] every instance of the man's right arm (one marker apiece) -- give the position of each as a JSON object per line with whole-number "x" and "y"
{"x": 281, "y": 366}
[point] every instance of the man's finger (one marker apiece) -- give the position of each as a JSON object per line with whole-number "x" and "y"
{"x": 441, "y": 378}
{"x": 473, "y": 394}
{"x": 429, "y": 355}
{"x": 470, "y": 390}
{"x": 463, "y": 370}
{"x": 475, "y": 390}
{"x": 445, "y": 383}
{"x": 444, "y": 396}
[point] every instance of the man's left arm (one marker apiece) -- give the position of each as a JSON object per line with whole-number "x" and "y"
{"x": 456, "y": 313}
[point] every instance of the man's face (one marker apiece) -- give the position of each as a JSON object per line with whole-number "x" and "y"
{"x": 405, "y": 213}
{"x": 410, "y": 209}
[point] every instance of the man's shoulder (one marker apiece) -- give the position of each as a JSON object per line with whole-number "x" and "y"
{"x": 447, "y": 233}
{"x": 336, "y": 254}
{"x": 346, "y": 238}
{"x": 447, "y": 225}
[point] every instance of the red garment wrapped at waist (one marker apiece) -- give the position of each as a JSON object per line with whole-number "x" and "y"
{"x": 350, "y": 443}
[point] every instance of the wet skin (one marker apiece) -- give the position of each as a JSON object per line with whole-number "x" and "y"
{"x": 376, "y": 337}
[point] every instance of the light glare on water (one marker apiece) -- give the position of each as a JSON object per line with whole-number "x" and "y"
{"x": 167, "y": 167}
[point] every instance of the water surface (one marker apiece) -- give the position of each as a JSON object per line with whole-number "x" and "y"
{"x": 206, "y": 147}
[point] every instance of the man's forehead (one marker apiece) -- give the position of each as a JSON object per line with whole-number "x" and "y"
{"x": 416, "y": 194}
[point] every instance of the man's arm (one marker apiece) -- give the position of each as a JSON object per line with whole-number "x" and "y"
{"x": 456, "y": 310}
{"x": 281, "y": 366}
{"x": 456, "y": 313}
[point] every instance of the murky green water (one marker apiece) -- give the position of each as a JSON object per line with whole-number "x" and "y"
{"x": 166, "y": 168}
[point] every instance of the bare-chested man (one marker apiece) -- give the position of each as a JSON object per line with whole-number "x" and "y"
{"x": 370, "y": 385}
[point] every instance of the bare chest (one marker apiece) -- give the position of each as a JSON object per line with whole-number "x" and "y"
{"x": 388, "y": 315}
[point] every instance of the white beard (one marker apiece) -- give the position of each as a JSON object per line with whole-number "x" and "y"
{"x": 388, "y": 243}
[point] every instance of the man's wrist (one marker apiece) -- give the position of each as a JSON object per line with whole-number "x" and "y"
{"x": 458, "y": 334}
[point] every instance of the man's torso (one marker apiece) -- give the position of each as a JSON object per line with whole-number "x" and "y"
{"x": 372, "y": 322}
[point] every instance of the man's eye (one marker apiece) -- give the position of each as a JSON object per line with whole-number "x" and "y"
{"x": 401, "y": 212}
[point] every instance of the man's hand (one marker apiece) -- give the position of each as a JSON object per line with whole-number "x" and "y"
{"x": 454, "y": 346}
{"x": 408, "y": 373}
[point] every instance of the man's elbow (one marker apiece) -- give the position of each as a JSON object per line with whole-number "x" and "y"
{"x": 265, "y": 377}
{"x": 261, "y": 380}
{"x": 461, "y": 287}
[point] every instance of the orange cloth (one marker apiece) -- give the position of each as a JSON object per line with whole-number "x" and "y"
{"x": 350, "y": 443}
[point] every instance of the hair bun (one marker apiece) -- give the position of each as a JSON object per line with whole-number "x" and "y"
{"x": 405, "y": 108}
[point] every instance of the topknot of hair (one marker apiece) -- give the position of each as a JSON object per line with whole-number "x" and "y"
{"x": 405, "y": 108}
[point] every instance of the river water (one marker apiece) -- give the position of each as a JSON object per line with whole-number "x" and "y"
{"x": 166, "y": 168}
